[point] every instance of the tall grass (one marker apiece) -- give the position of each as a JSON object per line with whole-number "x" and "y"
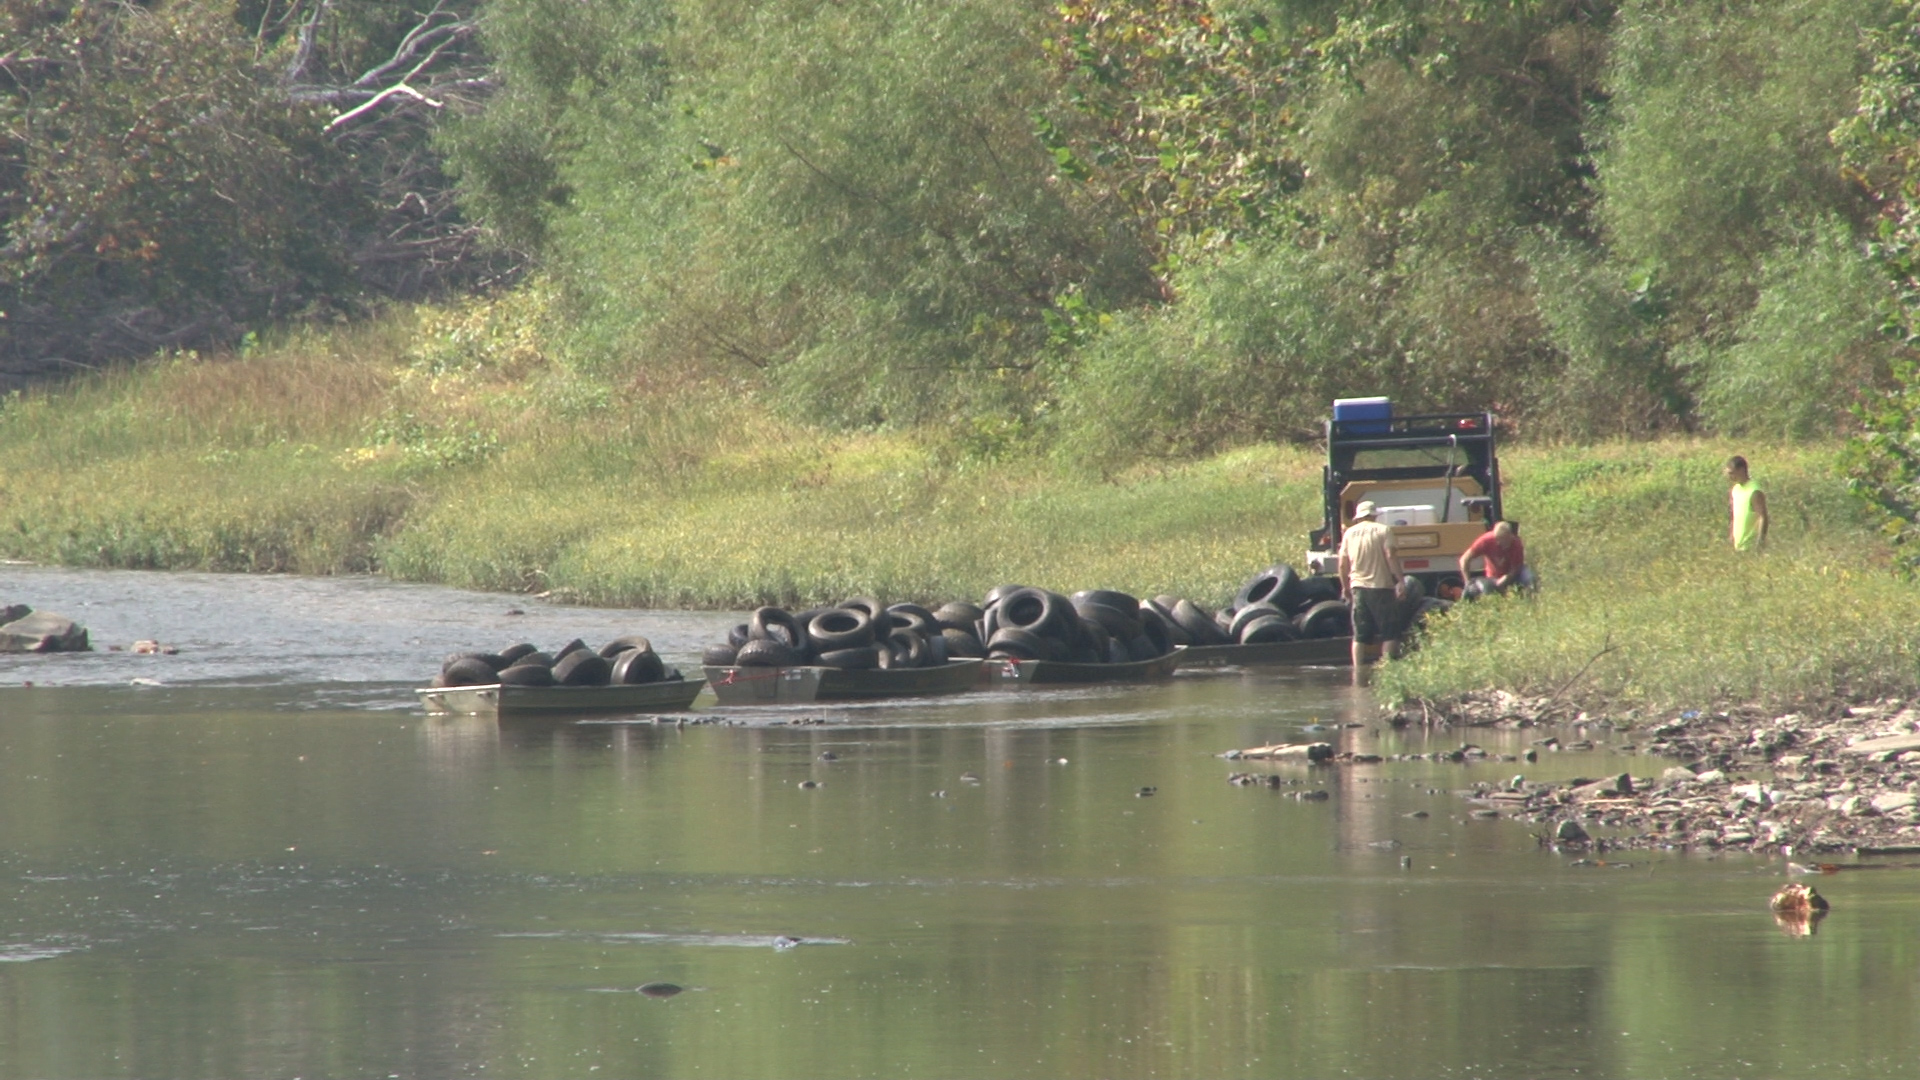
{"x": 369, "y": 451}
{"x": 1645, "y": 603}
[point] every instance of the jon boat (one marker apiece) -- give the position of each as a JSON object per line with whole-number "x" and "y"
{"x": 1010, "y": 672}
{"x": 803, "y": 684}
{"x": 1336, "y": 650}
{"x": 499, "y": 701}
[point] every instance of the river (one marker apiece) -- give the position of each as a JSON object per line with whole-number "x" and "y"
{"x": 257, "y": 858}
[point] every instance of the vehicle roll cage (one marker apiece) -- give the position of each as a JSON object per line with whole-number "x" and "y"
{"x": 1467, "y": 438}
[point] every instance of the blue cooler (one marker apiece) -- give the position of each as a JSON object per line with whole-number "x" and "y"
{"x": 1363, "y": 415}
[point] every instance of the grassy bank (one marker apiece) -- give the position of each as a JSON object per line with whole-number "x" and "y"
{"x": 486, "y": 467}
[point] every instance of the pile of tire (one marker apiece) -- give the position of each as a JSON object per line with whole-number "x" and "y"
{"x": 624, "y": 661}
{"x": 1280, "y": 604}
{"x": 860, "y": 634}
{"x": 1097, "y": 626}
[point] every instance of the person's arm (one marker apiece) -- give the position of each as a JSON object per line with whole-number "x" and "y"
{"x": 1733, "y": 537}
{"x": 1760, "y": 510}
{"x": 1346, "y": 567}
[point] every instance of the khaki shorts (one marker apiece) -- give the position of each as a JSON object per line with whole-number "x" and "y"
{"x": 1376, "y": 616}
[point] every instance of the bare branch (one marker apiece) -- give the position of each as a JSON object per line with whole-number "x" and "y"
{"x": 402, "y": 90}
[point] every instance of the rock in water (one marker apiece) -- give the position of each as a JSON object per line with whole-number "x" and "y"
{"x": 43, "y": 631}
{"x": 1570, "y": 832}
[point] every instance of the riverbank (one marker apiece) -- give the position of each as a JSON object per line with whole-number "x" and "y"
{"x": 1824, "y": 780}
{"x": 369, "y": 452}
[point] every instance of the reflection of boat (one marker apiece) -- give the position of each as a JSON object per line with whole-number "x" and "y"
{"x": 799, "y": 685}
{"x": 559, "y": 701}
{"x": 1335, "y": 650}
{"x": 1011, "y": 672}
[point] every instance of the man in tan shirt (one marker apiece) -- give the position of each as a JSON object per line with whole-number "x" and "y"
{"x": 1368, "y": 580}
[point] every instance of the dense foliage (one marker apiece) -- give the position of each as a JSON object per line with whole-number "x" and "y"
{"x": 1111, "y": 228}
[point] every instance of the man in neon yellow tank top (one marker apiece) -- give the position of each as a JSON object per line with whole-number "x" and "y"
{"x": 1749, "y": 506}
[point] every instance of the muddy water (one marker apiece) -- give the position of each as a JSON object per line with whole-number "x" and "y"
{"x": 260, "y": 860}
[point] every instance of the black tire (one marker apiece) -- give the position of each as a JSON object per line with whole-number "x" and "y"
{"x": 1274, "y": 627}
{"x": 840, "y": 628}
{"x": 469, "y": 671}
{"x": 1034, "y": 610}
{"x": 1018, "y": 643}
{"x": 1249, "y": 613}
{"x": 962, "y": 644}
{"x": 719, "y": 656}
{"x": 909, "y": 646}
{"x": 1199, "y": 625}
{"x": 937, "y": 654}
{"x": 572, "y": 646}
{"x": 1141, "y": 648}
{"x": 511, "y": 655}
{"x": 1125, "y": 603}
{"x": 777, "y": 624}
{"x": 1326, "y": 619}
{"x": 1278, "y": 585}
{"x": 527, "y": 675}
{"x": 540, "y": 659}
{"x": 636, "y": 666}
{"x": 958, "y": 615}
{"x": 766, "y": 652}
{"x": 1164, "y": 604}
{"x": 494, "y": 661}
{"x": 874, "y": 608}
{"x": 1175, "y": 633}
{"x": 738, "y": 636}
{"x": 622, "y": 644}
{"x": 999, "y": 593}
{"x": 1117, "y": 652}
{"x": 1117, "y": 621}
{"x": 582, "y": 667}
{"x": 913, "y": 617}
{"x": 863, "y": 658}
{"x": 1155, "y": 630}
{"x": 1317, "y": 589}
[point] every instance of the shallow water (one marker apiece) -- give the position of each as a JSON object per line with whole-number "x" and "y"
{"x": 263, "y": 861}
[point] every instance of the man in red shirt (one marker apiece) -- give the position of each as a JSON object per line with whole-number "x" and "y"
{"x": 1505, "y": 558}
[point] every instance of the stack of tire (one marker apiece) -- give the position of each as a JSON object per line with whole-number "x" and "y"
{"x": 624, "y": 661}
{"x": 860, "y": 634}
{"x": 1278, "y": 604}
{"x": 1097, "y": 626}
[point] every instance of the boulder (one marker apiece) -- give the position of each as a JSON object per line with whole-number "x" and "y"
{"x": 43, "y": 631}
{"x": 1892, "y": 801}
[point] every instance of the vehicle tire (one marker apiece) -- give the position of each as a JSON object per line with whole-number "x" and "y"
{"x": 1176, "y": 634}
{"x": 622, "y": 644}
{"x": 1034, "y": 610}
{"x": 1199, "y": 626}
{"x": 582, "y": 667}
{"x": 524, "y": 674}
{"x": 719, "y": 656}
{"x": 637, "y": 666}
{"x": 765, "y": 652}
{"x": 1125, "y": 603}
{"x": 1249, "y": 613}
{"x": 469, "y": 671}
{"x": 1117, "y": 652}
{"x": 1141, "y": 648}
{"x": 962, "y": 644}
{"x": 1156, "y": 630}
{"x": 1018, "y": 643}
{"x": 913, "y": 617}
{"x": 1117, "y": 621}
{"x": 540, "y": 659}
{"x": 1164, "y": 604}
{"x": 859, "y": 658}
{"x": 1317, "y": 589}
{"x": 572, "y": 646}
{"x": 937, "y": 654}
{"x": 738, "y": 636}
{"x": 1274, "y": 627}
{"x": 1326, "y": 619}
{"x": 493, "y": 661}
{"x": 999, "y": 593}
{"x": 777, "y": 624}
{"x": 511, "y": 655}
{"x": 958, "y": 615}
{"x": 874, "y": 608}
{"x": 840, "y": 628}
{"x": 909, "y": 647}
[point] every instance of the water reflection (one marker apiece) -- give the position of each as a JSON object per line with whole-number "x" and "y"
{"x": 253, "y": 875}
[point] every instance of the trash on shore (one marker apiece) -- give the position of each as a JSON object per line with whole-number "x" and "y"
{"x": 1310, "y": 752}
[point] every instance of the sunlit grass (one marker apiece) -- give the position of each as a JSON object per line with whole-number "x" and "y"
{"x": 488, "y": 467}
